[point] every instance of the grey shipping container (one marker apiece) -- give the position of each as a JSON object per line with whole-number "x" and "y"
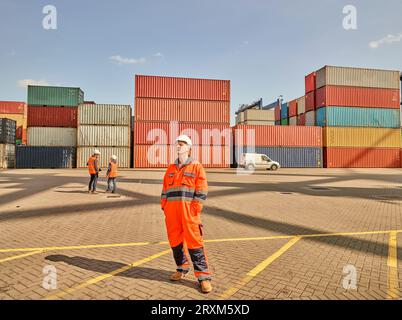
{"x": 113, "y": 136}
{"x": 51, "y": 137}
{"x": 45, "y": 157}
{"x": 7, "y": 156}
{"x": 7, "y": 131}
{"x": 288, "y": 157}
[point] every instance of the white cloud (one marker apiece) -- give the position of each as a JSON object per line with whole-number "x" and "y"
{"x": 120, "y": 60}
{"x": 160, "y": 55}
{"x": 389, "y": 39}
{"x": 25, "y": 82}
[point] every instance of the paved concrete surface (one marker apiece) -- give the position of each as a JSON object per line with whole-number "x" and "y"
{"x": 288, "y": 234}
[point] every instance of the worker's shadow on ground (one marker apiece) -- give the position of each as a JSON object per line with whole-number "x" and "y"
{"x": 105, "y": 267}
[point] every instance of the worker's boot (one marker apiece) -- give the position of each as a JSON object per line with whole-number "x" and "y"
{"x": 177, "y": 276}
{"x": 206, "y": 286}
{"x": 94, "y": 191}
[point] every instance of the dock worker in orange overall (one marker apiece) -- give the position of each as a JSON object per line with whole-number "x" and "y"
{"x": 93, "y": 168}
{"x": 185, "y": 188}
{"x": 112, "y": 174}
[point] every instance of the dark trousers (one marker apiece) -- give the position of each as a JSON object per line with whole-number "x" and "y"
{"x": 111, "y": 184}
{"x": 92, "y": 182}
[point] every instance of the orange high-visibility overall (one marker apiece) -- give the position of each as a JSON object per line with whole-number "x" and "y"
{"x": 113, "y": 170}
{"x": 184, "y": 191}
{"x": 91, "y": 165}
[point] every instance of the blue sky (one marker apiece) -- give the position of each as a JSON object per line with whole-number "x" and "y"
{"x": 264, "y": 47}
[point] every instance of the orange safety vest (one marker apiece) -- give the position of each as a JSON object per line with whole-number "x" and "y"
{"x": 91, "y": 165}
{"x": 113, "y": 170}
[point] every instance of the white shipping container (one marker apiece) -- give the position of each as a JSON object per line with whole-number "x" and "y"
{"x": 122, "y": 153}
{"x": 301, "y": 105}
{"x": 51, "y": 137}
{"x": 310, "y": 118}
{"x": 7, "y": 156}
{"x": 106, "y": 114}
{"x": 293, "y": 121}
{"x": 357, "y": 77}
{"x": 107, "y": 136}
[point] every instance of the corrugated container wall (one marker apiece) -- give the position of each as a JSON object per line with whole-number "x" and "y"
{"x": 289, "y": 157}
{"x": 284, "y": 122}
{"x": 122, "y": 153}
{"x": 357, "y": 77}
{"x": 7, "y": 156}
{"x": 258, "y": 123}
{"x": 45, "y": 157}
{"x": 310, "y": 82}
{"x": 7, "y": 131}
{"x": 301, "y": 120}
{"x": 361, "y": 137}
{"x": 278, "y": 114}
{"x": 362, "y": 157}
{"x": 107, "y": 136}
{"x": 52, "y": 137}
{"x": 284, "y": 111}
{"x": 259, "y": 115}
{"x": 181, "y": 88}
{"x": 358, "y": 117}
{"x": 310, "y": 118}
{"x": 12, "y": 107}
{"x": 310, "y": 101}
{"x": 104, "y": 114}
{"x": 182, "y": 110}
{"x": 293, "y": 108}
{"x": 54, "y": 96}
{"x": 278, "y": 136}
{"x": 293, "y": 121}
{"x": 357, "y": 97}
{"x": 52, "y": 117}
{"x": 301, "y": 105}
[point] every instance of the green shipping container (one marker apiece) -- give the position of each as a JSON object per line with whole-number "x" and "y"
{"x": 284, "y": 122}
{"x": 54, "y": 96}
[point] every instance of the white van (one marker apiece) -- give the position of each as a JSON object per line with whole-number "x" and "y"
{"x": 252, "y": 161}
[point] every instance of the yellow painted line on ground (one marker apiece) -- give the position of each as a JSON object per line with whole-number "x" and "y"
{"x": 393, "y": 284}
{"x": 106, "y": 275}
{"x": 20, "y": 256}
{"x": 260, "y": 267}
{"x": 133, "y": 244}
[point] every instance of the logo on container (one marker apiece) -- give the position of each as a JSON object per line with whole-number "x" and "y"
{"x": 49, "y": 22}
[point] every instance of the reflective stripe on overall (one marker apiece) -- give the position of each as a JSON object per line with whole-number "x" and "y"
{"x": 184, "y": 191}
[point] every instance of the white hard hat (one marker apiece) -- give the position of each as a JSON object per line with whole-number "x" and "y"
{"x": 185, "y": 139}
{"x": 114, "y": 157}
{"x": 97, "y": 152}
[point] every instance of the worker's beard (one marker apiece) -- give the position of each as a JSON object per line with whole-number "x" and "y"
{"x": 183, "y": 153}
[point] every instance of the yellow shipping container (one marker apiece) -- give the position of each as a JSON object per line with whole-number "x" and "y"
{"x": 361, "y": 137}
{"x": 19, "y": 118}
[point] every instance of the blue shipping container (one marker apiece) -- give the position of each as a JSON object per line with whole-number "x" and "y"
{"x": 284, "y": 111}
{"x": 358, "y": 117}
{"x": 288, "y": 157}
{"x": 45, "y": 157}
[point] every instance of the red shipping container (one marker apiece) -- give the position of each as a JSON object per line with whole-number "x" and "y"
{"x": 160, "y": 156}
{"x": 292, "y": 108}
{"x": 310, "y": 101}
{"x": 166, "y": 133}
{"x": 278, "y": 136}
{"x": 182, "y": 110}
{"x": 14, "y": 107}
{"x": 52, "y": 117}
{"x": 340, "y": 96}
{"x": 18, "y": 132}
{"x": 362, "y": 157}
{"x": 301, "y": 119}
{"x": 278, "y": 113}
{"x": 181, "y": 88}
{"x": 310, "y": 81}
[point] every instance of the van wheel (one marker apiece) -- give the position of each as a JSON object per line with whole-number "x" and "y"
{"x": 274, "y": 167}
{"x": 250, "y": 167}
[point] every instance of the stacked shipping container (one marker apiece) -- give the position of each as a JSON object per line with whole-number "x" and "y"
{"x": 7, "y": 143}
{"x": 291, "y": 146}
{"x": 52, "y": 127}
{"x": 359, "y": 110}
{"x": 257, "y": 117}
{"x": 16, "y": 111}
{"x": 106, "y": 127}
{"x": 166, "y": 107}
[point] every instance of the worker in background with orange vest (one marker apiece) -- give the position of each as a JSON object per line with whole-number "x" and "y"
{"x": 93, "y": 168}
{"x": 184, "y": 190}
{"x": 112, "y": 174}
